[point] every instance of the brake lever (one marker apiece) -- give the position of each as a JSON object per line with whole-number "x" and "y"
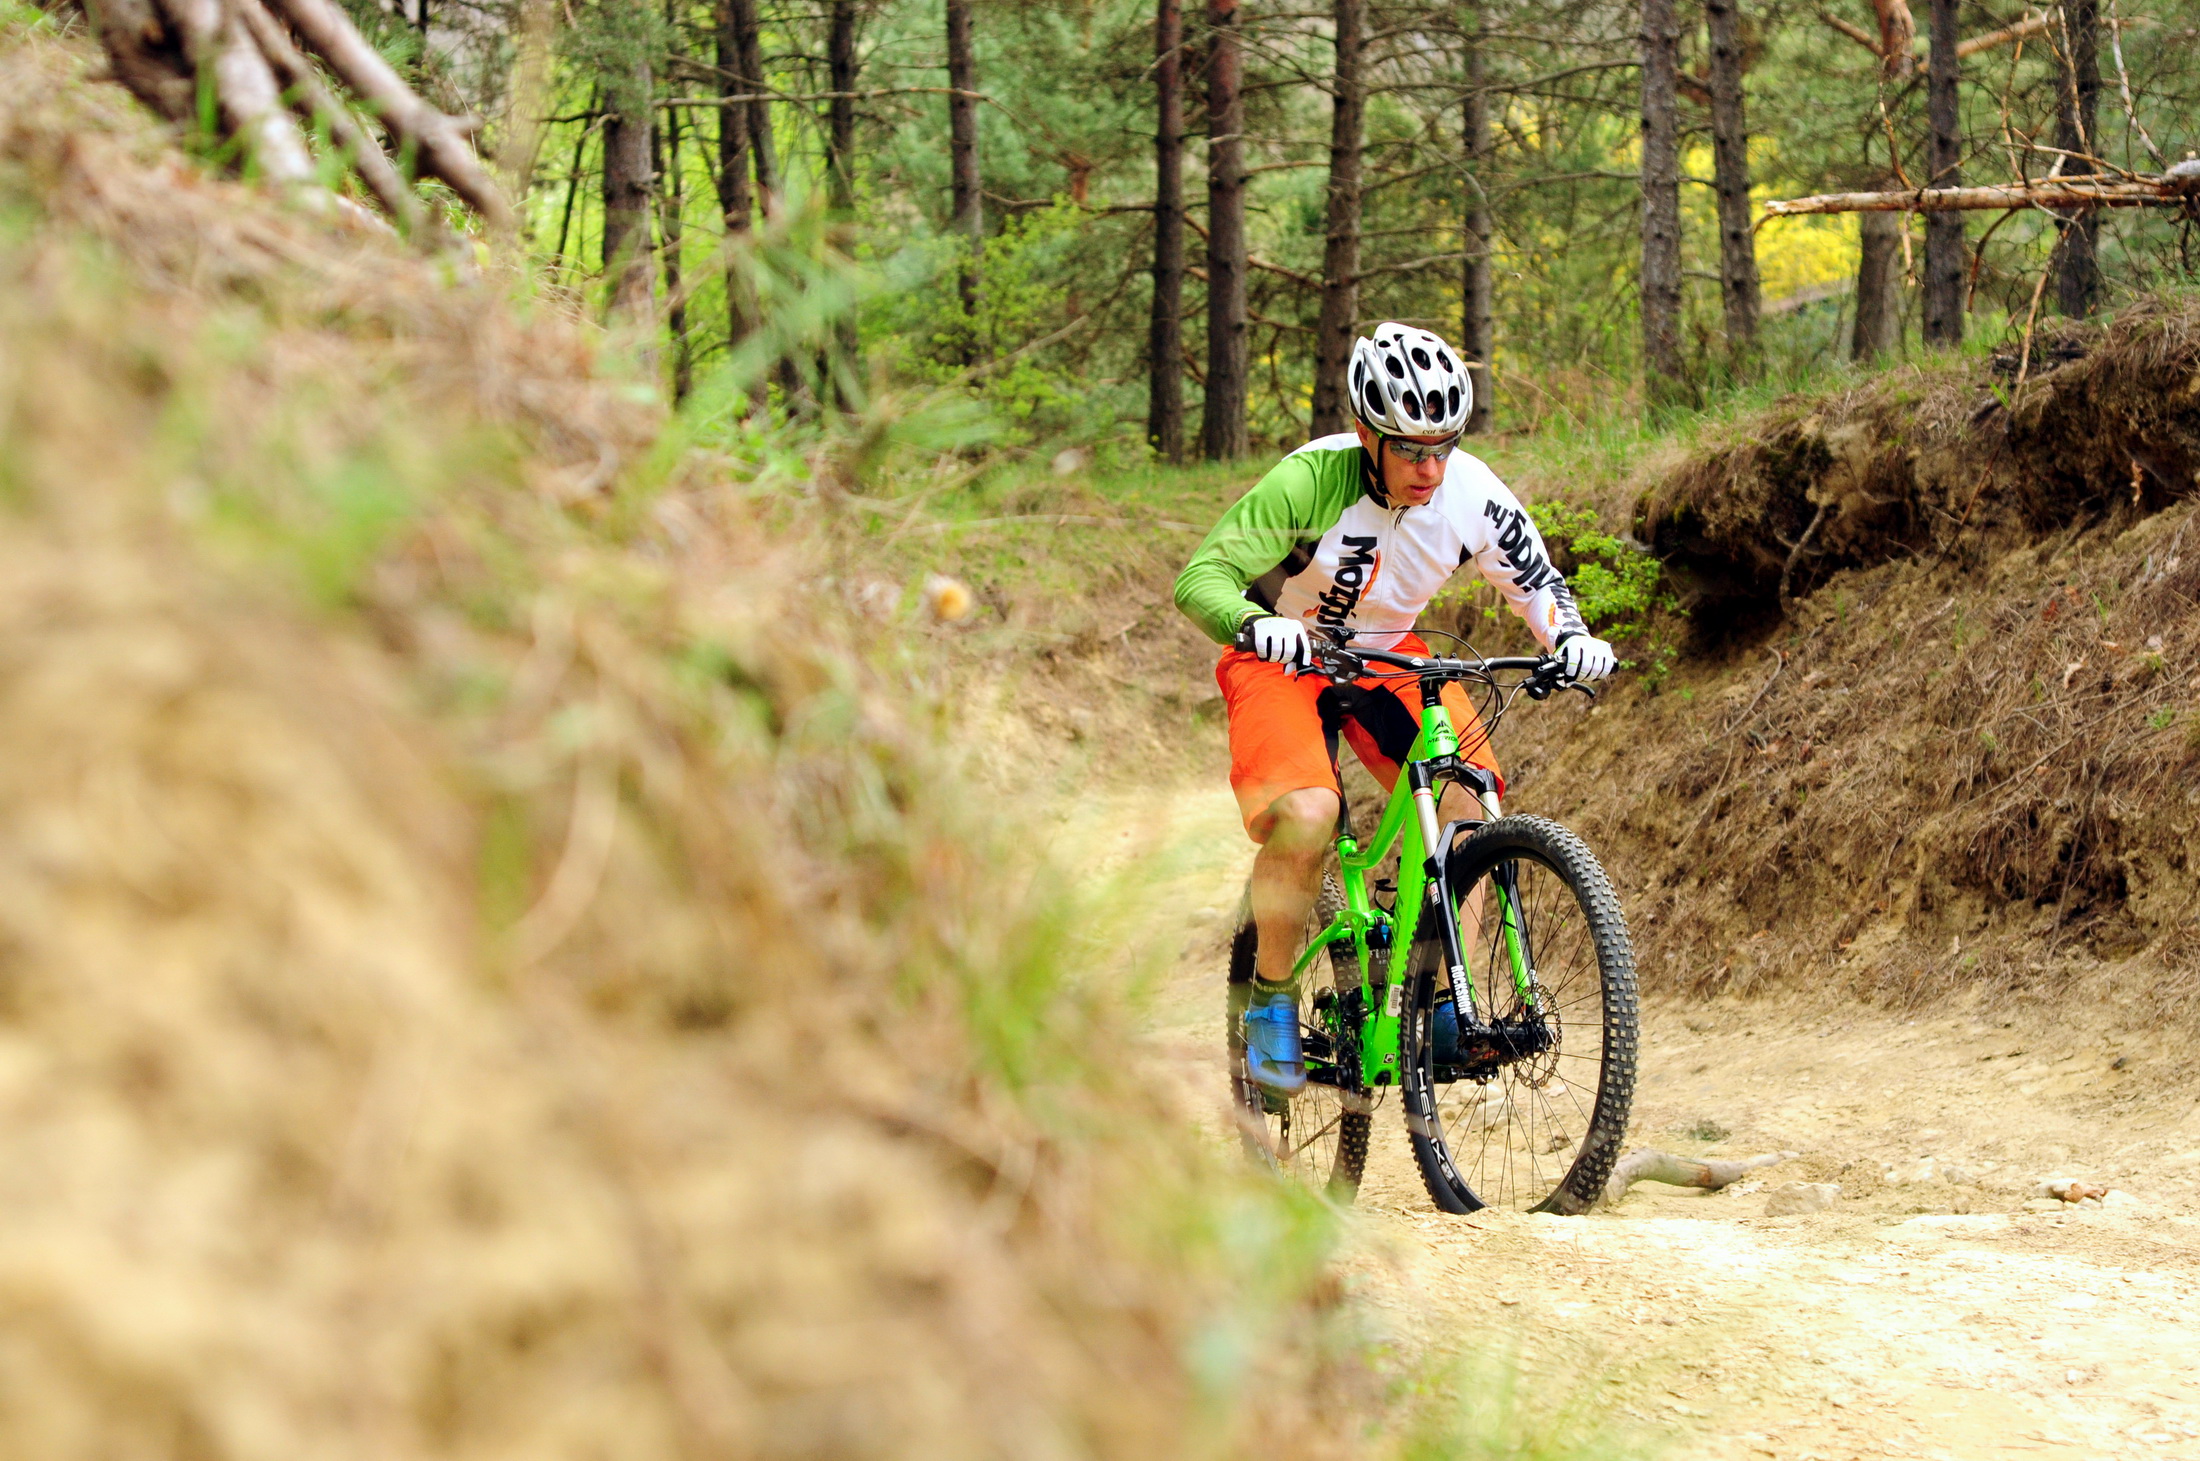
{"x": 1546, "y": 678}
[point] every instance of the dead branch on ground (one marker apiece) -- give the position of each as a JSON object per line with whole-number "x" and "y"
{"x": 1650, "y": 1166}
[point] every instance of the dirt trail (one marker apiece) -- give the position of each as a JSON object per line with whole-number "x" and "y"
{"x": 1928, "y": 1317}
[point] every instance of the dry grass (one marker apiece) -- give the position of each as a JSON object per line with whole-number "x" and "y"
{"x": 471, "y": 982}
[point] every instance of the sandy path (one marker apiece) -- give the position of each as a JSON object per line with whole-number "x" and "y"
{"x": 1917, "y": 1318}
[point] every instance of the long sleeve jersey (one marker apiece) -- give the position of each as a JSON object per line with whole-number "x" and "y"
{"x": 1314, "y": 540}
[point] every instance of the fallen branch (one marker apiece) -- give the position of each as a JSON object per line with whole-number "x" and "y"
{"x": 361, "y": 151}
{"x": 443, "y": 144}
{"x": 1649, "y": 1166}
{"x": 2179, "y": 187}
{"x": 253, "y": 104}
{"x": 255, "y": 57}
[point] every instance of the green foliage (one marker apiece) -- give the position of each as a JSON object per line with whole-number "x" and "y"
{"x": 1028, "y": 299}
{"x": 1616, "y": 584}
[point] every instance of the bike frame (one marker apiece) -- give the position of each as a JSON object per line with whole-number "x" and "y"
{"x": 1410, "y": 823}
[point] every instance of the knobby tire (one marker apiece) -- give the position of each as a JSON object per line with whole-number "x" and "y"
{"x": 1534, "y": 1133}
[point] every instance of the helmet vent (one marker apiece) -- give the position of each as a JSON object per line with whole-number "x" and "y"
{"x": 1372, "y": 396}
{"x": 1420, "y": 357}
{"x": 1412, "y": 404}
{"x": 1395, "y": 367}
{"x": 1454, "y": 393}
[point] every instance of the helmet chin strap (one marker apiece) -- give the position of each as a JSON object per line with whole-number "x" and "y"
{"x": 1371, "y": 472}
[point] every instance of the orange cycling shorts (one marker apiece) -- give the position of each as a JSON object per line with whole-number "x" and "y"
{"x": 1276, "y": 739}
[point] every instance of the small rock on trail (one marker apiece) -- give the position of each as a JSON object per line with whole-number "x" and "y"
{"x": 1801, "y": 1197}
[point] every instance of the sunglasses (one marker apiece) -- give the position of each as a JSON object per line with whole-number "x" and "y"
{"x": 1418, "y": 452}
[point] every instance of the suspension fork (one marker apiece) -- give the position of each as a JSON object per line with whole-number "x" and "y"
{"x": 1506, "y": 882}
{"x": 1437, "y": 889}
{"x": 1506, "y": 885}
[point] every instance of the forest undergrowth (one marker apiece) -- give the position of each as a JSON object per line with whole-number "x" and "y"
{"x": 488, "y": 964}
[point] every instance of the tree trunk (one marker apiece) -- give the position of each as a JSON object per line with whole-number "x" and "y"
{"x": 748, "y": 39}
{"x": 627, "y": 192}
{"x": 840, "y": 112}
{"x": 1340, "y": 307}
{"x": 1730, "y": 169}
{"x": 1878, "y": 328}
{"x": 843, "y": 364}
{"x": 735, "y": 201}
{"x": 748, "y": 48}
{"x": 1222, "y": 435}
{"x": 1477, "y": 313}
{"x": 527, "y": 102}
{"x": 2077, "y": 269}
{"x": 1943, "y": 154}
{"x": 1165, "y": 336}
{"x": 673, "y": 202}
{"x": 1661, "y": 202}
{"x": 962, "y": 147}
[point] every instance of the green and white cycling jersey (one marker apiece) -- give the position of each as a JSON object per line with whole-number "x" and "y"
{"x": 1315, "y": 540}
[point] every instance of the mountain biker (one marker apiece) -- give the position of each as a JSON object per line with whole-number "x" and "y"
{"x": 1357, "y": 530}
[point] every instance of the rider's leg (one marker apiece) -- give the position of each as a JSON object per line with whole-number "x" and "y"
{"x": 1294, "y": 835}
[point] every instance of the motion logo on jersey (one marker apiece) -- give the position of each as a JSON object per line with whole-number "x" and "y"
{"x": 1356, "y": 572}
{"x": 1516, "y": 540}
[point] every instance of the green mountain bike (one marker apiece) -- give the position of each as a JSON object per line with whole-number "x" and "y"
{"x": 1490, "y": 979}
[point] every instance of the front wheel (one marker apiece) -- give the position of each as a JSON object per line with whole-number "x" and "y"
{"x": 1521, "y": 1101}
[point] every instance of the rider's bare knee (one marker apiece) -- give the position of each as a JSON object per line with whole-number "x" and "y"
{"x": 1300, "y": 818}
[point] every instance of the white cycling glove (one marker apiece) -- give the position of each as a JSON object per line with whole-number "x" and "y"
{"x": 1278, "y": 640}
{"x": 1586, "y": 658}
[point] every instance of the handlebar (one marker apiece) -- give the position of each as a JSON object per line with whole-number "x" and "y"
{"x": 1546, "y": 673}
{"x": 1337, "y": 659}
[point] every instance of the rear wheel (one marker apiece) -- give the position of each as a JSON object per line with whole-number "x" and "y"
{"x": 1319, "y": 1135}
{"x": 1523, "y": 1101}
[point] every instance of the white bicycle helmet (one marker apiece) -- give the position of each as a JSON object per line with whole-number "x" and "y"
{"x": 1406, "y": 382}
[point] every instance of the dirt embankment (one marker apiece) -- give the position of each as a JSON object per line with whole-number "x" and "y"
{"x": 2091, "y": 428}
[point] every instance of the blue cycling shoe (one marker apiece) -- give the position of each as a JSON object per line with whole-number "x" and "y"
{"x": 1273, "y": 1056}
